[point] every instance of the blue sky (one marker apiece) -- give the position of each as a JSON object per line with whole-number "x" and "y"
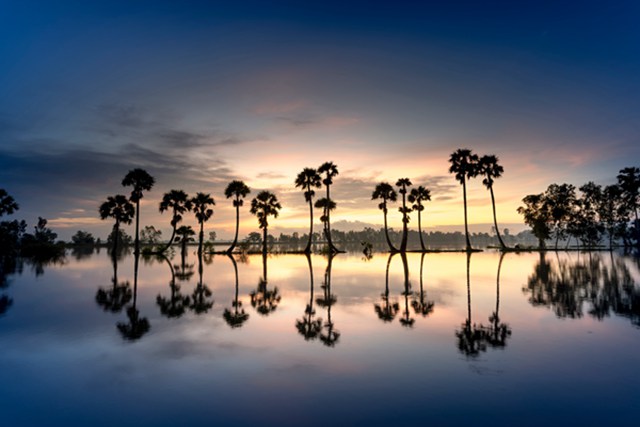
{"x": 200, "y": 93}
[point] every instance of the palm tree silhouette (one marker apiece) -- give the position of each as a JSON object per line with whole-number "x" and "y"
{"x": 387, "y": 311}
{"x": 201, "y": 205}
{"x": 488, "y": 167}
{"x": 137, "y": 326}
{"x": 406, "y": 320}
{"x": 121, "y": 210}
{"x": 464, "y": 164}
{"x": 329, "y": 335}
{"x": 7, "y": 203}
{"x": 385, "y": 191}
{"x": 330, "y": 170}
{"x": 265, "y": 204}
{"x": 629, "y": 182}
{"x": 185, "y": 235}
{"x": 201, "y": 301}
{"x": 471, "y": 339}
{"x": 417, "y": 196}
{"x": 307, "y": 180}
{"x": 497, "y": 333}
{"x": 238, "y": 316}
{"x": 265, "y": 301}
{"x": 403, "y": 183}
{"x": 309, "y": 327}
{"x": 176, "y": 305}
{"x": 239, "y": 191}
{"x": 422, "y": 305}
{"x": 179, "y": 202}
{"x": 119, "y": 295}
{"x": 141, "y": 181}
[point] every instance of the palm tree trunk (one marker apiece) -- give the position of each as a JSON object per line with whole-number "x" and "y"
{"x": 328, "y": 230}
{"x": 264, "y": 269}
{"x": 201, "y": 238}
{"x": 137, "y": 242}
{"x": 468, "y": 289}
{"x": 420, "y": 232}
{"x": 495, "y": 220}
{"x": 116, "y": 234}
{"x": 264, "y": 241}
{"x": 308, "y": 248}
{"x": 466, "y": 226}
{"x": 235, "y": 239}
{"x": 405, "y": 231}
{"x": 386, "y": 232}
{"x": 168, "y": 245}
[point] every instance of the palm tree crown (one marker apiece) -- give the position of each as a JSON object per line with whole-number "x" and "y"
{"x": 307, "y": 180}
{"x": 330, "y": 170}
{"x": 119, "y": 208}
{"x": 265, "y": 204}
{"x": 140, "y": 180}
{"x": 386, "y": 192}
{"x": 202, "y": 203}
{"x": 489, "y": 168}
{"x": 237, "y": 189}
{"x": 464, "y": 164}
{"x": 179, "y": 202}
{"x": 417, "y": 196}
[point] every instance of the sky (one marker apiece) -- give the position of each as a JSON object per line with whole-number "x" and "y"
{"x": 201, "y": 93}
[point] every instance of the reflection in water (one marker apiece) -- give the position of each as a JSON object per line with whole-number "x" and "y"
{"x": 406, "y": 320}
{"x": 113, "y": 299}
{"x": 201, "y": 301}
{"x": 176, "y": 305}
{"x": 309, "y": 327}
{"x": 328, "y": 335}
{"x": 137, "y": 326}
{"x": 238, "y": 316}
{"x": 387, "y": 311}
{"x": 8, "y": 266}
{"x": 497, "y": 332}
{"x": 265, "y": 301}
{"x": 421, "y": 305}
{"x": 566, "y": 285}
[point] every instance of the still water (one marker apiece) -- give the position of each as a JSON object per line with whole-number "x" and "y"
{"x": 435, "y": 339}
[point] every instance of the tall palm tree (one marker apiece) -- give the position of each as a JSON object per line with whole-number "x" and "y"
{"x": 307, "y": 180}
{"x": 330, "y": 170}
{"x": 121, "y": 210}
{"x": 464, "y": 164}
{"x": 201, "y": 205}
{"x": 265, "y": 204}
{"x": 488, "y": 167}
{"x": 179, "y": 202}
{"x": 403, "y": 183}
{"x": 141, "y": 181}
{"x": 417, "y": 196}
{"x": 185, "y": 235}
{"x": 239, "y": 191}
{"x": 7, "y": 203}
{"x": 629, "y": 182}
{"x": 385, "y": 191}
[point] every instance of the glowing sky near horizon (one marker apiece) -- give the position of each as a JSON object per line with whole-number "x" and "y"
{"x": 200, "y": 93}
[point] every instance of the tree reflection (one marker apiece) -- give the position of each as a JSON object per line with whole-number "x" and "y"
{"x": 406, "y": 319}
{"x": 328, "y": 335}
{"x": 421, "y": 305}
{"x": 114, "y": 299}
{"x": 137, "y": 326}
{"x": 176, "y": 305}
{"x": 496, "y": 333}
{"x": 8, "y": 266}
{"x": 236, "y": 316}
{"x": 309, "y": 327}
{"x": 264, "y": 300}
{"x": 471, "y": 339}
{"x": 201, "y": 301}
{"x": 566, "y": 286}
{"x": 387, "y": 311}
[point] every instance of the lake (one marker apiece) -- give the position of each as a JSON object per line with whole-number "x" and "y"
{"x": 435, "y": 339}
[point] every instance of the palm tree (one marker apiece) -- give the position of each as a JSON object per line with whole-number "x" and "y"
{"x": 464, "y": 164}
{"x": 498, "y": 332}
{"x": 307, "y": 180}
{"x": 386, "y": 311}
{"x": 417, "y": 196}
{"x": 265, "y": 301}
{"x": 385, "y": 191}
{"x": 238, "y": 316}
{"x": 330, "y": 170}
{"x": 141, "y": 181}
{"x": 7, "y": 204}
{"x": 185, "y": 235}
{"x": 176, "y": 305}
{"x": 118, "y": 296}
{"x": 179, "y": 202}
{"x": 309, "y": 327}
{"x": 121, "y": 210}
{"x": 406, "y": 320}
{"x": 629, "y": 182}
{"x": 331, "y": 335}
{"x": 422, "y": 305}
{"x": 471, "y": 339}
{"x": 201, "y": 205}
{"x": 403, "y": 183}
{"x": 488, "y": 167}
{"x": 201, "y": 300}
{"x": 239, "y": 190}
{"x": 265, "y": 204}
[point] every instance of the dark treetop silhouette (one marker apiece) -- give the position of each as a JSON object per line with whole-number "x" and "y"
{"x": 489, "y": 168}
{"x": 7, "y": 204}
{"x": 307, "y": 180}
{"x": 629, "y": 182}
{"x": 115, "y": 298}
{"x": 417, "y": 196}
{"x": 264, "y": 205}
{"x": 330, "y": 170}
{"x": 178, "y": 201}
{"x": 201, "y": 205}
{"x": 121, "y": 210}
{"x": 238, "y": 190}
{"x": 403, "y": 183}
{"x": 464, "y": 164}
{"x": 385, "y": 191}
{"x": 141, "y": 181}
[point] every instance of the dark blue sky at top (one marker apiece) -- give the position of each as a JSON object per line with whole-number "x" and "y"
{"x": 85, "y": 82}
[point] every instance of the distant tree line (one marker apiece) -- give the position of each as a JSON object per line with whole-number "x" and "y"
{"x": 587, "y": 215}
